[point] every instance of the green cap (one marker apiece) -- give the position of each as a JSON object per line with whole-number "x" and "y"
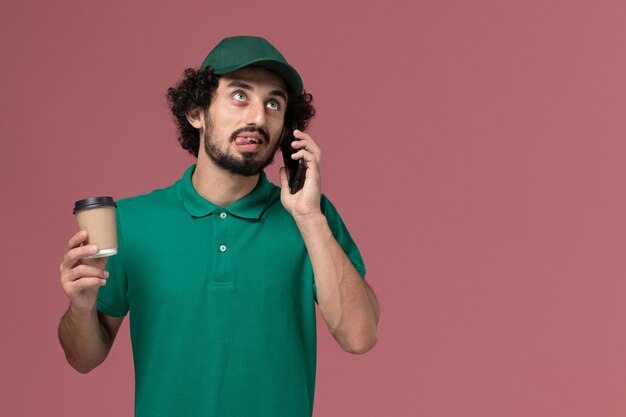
{"x": 232, "y": 54}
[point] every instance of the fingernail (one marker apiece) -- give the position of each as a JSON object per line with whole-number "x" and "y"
{"x": 106, "y": 274}
{"x": 103, "y": 282}
{"x": 93, "y": 249}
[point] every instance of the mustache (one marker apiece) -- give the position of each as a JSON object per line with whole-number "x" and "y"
{"x": 256, "y": 129}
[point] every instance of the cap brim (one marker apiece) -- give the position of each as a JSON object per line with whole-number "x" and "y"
{"x": 286, "y": 71}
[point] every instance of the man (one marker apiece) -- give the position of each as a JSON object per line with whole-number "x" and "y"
{"x": 221, "y": 271}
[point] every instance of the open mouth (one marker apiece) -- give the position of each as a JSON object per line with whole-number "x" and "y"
{"x": 249, "y": 135}
{"x": 246, "y": 140}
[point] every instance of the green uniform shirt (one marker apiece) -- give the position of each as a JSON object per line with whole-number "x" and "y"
{"x": 221, "y": 301}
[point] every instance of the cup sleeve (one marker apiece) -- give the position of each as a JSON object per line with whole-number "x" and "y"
{"x": 112, "y": 298}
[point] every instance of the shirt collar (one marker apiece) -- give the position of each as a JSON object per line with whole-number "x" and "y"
{"x": 250, "y": 206}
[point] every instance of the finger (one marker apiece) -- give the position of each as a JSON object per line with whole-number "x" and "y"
{"x": 84, "y": 283}
{"x": 308, "y": 146}
{"x": 77, "y": 239}
{"x": 85, "y": 271}
{"x": 301, "y": 143}
{"x": 306, "y": 155}
{"x": 305, "y": 141}
{"x": 305, "y": 137}
{"x": 301, "y": 135}
{"x": 73, "y": 256}
{"x": 312, "y": 166}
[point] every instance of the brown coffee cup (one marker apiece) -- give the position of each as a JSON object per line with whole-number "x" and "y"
{"x": 96, "y": 215}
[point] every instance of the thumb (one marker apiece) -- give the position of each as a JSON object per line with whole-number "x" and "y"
{"x": 284, "y": 184}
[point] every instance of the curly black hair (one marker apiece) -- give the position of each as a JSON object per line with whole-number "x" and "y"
{"x": 196, "y": 90}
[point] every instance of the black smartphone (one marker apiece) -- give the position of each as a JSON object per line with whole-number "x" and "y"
{"x": 295, "y": 167}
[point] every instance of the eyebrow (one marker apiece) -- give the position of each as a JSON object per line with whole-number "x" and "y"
{"x": 248, "y": 87}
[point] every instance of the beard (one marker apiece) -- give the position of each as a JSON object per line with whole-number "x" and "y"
{"x": 249, "y": 163}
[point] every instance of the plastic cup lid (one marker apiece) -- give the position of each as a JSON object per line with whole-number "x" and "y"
{"x": 94, "y": 202}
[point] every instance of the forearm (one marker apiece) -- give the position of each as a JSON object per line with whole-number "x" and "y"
{"x": 346, "y": 302}
{"x": 85, "y": 341}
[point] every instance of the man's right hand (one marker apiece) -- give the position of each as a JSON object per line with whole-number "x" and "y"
{"x": 82, "y": 277}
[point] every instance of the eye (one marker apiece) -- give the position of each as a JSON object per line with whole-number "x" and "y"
{"x": 239, "y": 96}
{"x": 273, "y": 105}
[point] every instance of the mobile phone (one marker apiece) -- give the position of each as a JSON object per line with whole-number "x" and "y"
{"x": 295, "y": 167}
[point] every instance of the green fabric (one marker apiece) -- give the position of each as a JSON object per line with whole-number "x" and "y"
{"x": 237, "y": 52}
{"x": 217, "y": 333}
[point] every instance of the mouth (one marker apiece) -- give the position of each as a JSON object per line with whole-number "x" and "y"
{"x": 248, "y": 143}
{"x": 249, "y": 138}
{"x": 251, "y": 134}
{"x": 244, "y": 140}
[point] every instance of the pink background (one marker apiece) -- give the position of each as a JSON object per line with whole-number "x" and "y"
{"x": 474, "y": 148}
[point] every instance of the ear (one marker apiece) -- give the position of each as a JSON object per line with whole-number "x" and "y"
{"x": 195, "y": 118}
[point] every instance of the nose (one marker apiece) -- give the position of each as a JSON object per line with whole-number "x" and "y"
{"x": 256, "y": 113}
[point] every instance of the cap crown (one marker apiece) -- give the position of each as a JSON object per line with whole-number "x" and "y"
{"x": 232, "y": 54}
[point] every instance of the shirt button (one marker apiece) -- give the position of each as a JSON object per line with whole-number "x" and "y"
{"x": 222, "y": 248}
{"x": 223, "y": 215}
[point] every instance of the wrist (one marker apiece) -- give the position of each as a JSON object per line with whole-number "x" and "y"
{"x": 310, "y": 220}
{"x": 312, "y": 226}
{"x": 79, "y": 314}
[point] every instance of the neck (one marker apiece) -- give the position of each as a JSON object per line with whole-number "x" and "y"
{"x": 219, "y": 186}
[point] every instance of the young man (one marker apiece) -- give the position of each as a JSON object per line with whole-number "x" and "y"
{"x": 221, "y": 271}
